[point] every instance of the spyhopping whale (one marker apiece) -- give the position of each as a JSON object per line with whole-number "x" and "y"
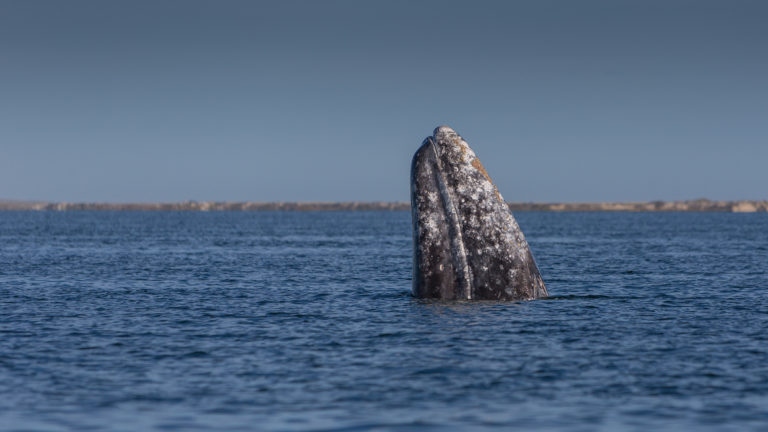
{"x": 467, "y": 245}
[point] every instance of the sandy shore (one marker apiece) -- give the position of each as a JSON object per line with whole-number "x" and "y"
{"x": 702, "y": 205}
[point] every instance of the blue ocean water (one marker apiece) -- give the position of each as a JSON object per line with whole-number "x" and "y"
{"x": 287, "y": 321}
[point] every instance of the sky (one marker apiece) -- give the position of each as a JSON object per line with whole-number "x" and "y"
{"x": 328, "y": 100}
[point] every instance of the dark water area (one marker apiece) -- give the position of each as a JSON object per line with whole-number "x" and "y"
{"x": 277, "y": 321}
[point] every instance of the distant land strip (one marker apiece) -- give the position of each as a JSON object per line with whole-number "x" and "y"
{"x": 699, "y": 205}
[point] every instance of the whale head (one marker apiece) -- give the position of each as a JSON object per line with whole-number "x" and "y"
{"x": 467, "y": 244}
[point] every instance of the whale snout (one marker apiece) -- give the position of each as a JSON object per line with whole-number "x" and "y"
{"x": 467, "y": 244}
{"x": 442, "y": 132}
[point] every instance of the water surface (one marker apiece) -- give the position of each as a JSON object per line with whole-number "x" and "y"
{"x": 303, "y": 321}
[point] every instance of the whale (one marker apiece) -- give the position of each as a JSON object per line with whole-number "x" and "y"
{"x": 467, "y": 245}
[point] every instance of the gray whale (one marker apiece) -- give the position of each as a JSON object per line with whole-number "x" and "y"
{"x": 467, "y": 245}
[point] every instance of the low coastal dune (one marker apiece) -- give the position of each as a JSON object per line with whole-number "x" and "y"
{"x": 700, "y": 205}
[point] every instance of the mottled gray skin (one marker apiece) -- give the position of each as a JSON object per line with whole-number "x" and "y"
{"x": 467, "y": 245}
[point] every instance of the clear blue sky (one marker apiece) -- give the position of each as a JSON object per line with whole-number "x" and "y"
{"x": 327, "y": 100}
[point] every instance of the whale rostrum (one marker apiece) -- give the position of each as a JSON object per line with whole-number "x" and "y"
{"x": 467, "y": 245}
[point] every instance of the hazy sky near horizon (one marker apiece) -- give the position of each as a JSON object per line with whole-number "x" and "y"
{"x": 328, "y": 100}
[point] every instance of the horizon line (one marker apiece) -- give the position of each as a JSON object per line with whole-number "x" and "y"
{"x": 700, "y": 204}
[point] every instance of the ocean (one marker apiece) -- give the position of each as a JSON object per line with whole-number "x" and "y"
{"x": 303, "y": 321}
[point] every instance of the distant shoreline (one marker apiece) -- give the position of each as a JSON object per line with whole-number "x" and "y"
{"x": 700, "y": 205}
